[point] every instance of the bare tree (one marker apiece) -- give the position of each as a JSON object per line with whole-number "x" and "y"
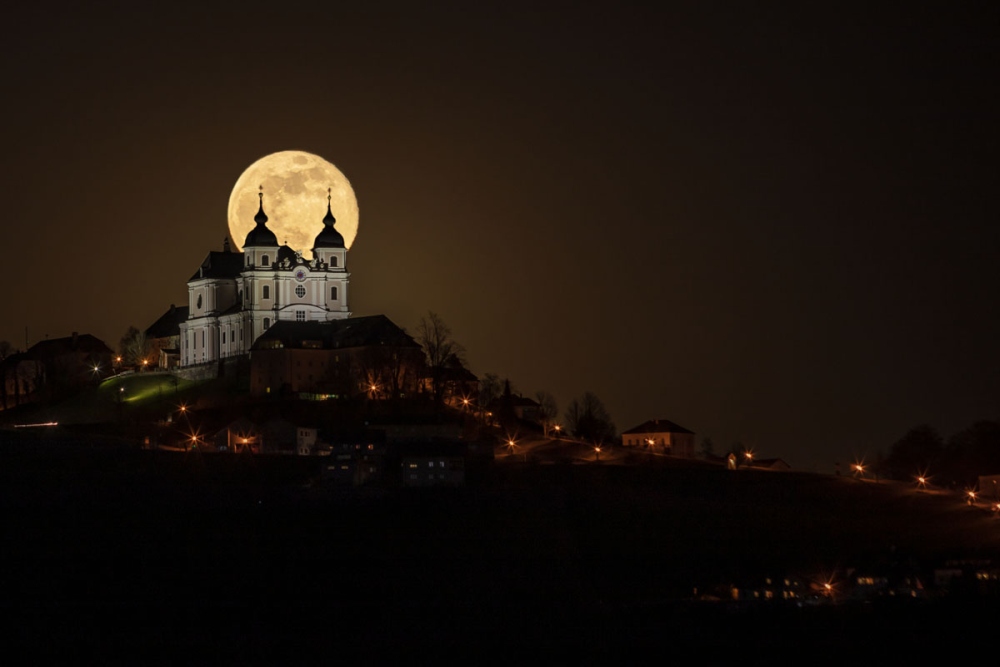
{"x": 588, "y": 419}
{"x": 441, "y": 350}
{"x": 133, "y": 347}
{"x": 548, "y": 410}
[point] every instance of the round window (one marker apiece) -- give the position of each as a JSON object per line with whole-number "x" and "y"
{"x": 300, "y": 291}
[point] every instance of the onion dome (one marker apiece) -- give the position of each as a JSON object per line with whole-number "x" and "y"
{"x": 261, "y": 235}
{"x": 329, "y": 237}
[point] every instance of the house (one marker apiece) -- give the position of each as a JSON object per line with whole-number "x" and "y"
{"x": 433, "y": 464}
{"x": 343, "y": 358}
{"x": 164, "y": 337}
{"x": 661, "y": 435}
{"x": 55, "y": 366}
{"x": 769, "y": 464}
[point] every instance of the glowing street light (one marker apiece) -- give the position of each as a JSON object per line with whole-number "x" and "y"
{"x": 859, "y": 469}
{"x": 597, "y": 453}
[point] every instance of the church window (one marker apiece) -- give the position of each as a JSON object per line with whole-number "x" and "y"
{"x": 223, "y": 337}
{"x": 300, "y": 291}
{"x": 199, "y": 301}
{"x": 266, "y": 294}
{"x": 300, "y": 316}
{"x": 267, "y": 322}
{"x": 333, "y": 293}
{"x": 333, "y": 261}
{"x": 265, "y": 260}
{"x": 203, "y": 338}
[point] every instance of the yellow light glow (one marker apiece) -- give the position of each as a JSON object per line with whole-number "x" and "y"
{"x": 295, "y": 189}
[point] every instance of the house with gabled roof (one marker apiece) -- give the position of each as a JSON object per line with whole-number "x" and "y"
{"x": 661, "y": 435}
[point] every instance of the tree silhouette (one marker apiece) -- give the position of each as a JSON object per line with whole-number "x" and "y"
{"x": 441, "y": 350}
{"x": 548, "y": 410}
{"x": 588, "y": 419}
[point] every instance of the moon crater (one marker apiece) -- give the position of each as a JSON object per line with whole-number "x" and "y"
{"x": 295, "y": 190}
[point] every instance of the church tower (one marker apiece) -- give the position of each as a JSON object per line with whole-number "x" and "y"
{"x": 330, "y": 256}
{"x": 260, "y": 254}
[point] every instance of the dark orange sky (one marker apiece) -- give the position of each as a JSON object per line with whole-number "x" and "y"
{"x": 771, "y": 226}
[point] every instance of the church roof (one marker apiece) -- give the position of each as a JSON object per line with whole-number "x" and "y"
{"x": 261, "y": 235}
{"x": 329, "y": 237}
{"x": 77, "y": 343}
{"x": 657, "y": 426}
{"x": 351, "y": 332}
{"x": 169, "y": 323}
{"x": 220, "y": 264}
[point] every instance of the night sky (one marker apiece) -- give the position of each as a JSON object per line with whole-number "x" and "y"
{"x": 777, "y": 226}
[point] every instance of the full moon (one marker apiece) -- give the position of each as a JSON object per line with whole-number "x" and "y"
{"x": 295, "y": 189}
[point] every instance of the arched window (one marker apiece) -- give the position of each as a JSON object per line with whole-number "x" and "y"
{"x": 265, "y": 260}
{"x": 266, "y": 293}
{"x": 333, "y": 293}
{"x": 333, "y": 260}
{"x": 199, "y": 301}
{"x": 267, "y": 323}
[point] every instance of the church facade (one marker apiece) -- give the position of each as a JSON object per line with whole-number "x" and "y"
{"x": 234, "y": 297}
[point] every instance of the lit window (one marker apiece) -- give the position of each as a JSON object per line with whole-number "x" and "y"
{"x": 300, "y": 291}
{"x": 266, "y": 292}
{"x": 333, "y": 293}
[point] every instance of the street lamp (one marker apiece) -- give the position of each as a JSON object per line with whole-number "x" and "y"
{"x": 597, "y": 453}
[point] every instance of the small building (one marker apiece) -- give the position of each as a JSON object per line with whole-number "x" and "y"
{"x": 54, "y": 367}
{"x": 769, "y": 464}
{"x": 433, "y": 464}
{"x": 164, "y": 337}
{"x": 661, "y": 435}
{"x": 341, "y": 358}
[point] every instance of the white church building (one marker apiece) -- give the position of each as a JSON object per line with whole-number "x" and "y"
{"x": 234, "y": 297}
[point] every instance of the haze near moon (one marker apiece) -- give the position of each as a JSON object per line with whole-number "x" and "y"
{"x": 295, "y": 184}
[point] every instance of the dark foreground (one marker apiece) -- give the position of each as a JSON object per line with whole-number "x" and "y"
{"x": 160, "y": 557}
